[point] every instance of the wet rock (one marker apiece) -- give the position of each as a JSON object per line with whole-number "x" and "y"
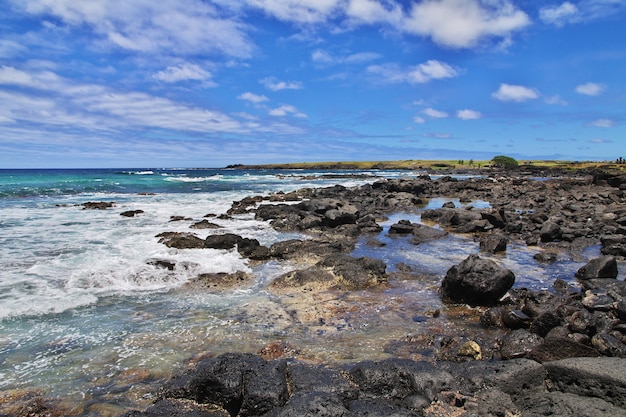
{"x": 493, "y": 243}
{"x": 307, "y": 280}
{"x": 598, "y": 300}
{"x": 403, "y": 227}
{"x": 278, "y": 350}
{"x": 545, "y": 257}
{"x": 476, "y": 281}
{"x": 205, "y": 224}
{"x": 422, "y": 233}
{"x": 550, "y": 232}
{"x": 603, "y": 378}
{"x": 180, "y": 240}
{"x": 179, "y": 218}
{"x": 493, "y": 317}
{"x": 221, "y": 281}
{"x": 452, "y": 217}
{"x": 614, "y": 244}
{"x": 368, "y": 224}
{"x": 309, "y": 251}
{"x": 131, "y": 213}
{"x": 252, "y": 249}
{"x": 98, "y": 205}
{"x": 242, "y": 384}
{"x": 516, "y": 319}
{"x": 170, "y": 407}
{"x": 556, "y": 348}
{"x": 356, "y": 273}
{"x": 609, "y": 345}
{"x": 542, "y": 324}
{"x": 162, "y": 263}
{"x": 518, "y": 343}
{"x": 399, "y": 379}
{"x": 312, "y": 404}
{"x": 317, "y": 378}
{"x": 602, "y": 267}
{"x": 223, "y": 241}
{"x": 470, "y": 349}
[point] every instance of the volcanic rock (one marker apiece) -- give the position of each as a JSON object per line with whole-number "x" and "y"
{"x": 476, "y": 281}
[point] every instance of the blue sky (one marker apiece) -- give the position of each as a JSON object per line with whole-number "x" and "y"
{"x": 207, "y": 83}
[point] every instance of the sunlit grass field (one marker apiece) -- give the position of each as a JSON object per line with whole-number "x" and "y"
{"x": 443, "y": 165}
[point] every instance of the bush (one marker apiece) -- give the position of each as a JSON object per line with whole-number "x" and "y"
{"x": 505, "y": 161}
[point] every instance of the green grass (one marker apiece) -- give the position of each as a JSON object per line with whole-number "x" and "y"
{"x": 440, "y": 165}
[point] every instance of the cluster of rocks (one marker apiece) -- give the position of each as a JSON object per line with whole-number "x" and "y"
{"x": 246, "y": 385}
{"x": 559, "y": 345}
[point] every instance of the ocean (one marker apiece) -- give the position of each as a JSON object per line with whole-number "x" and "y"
{"x": 87, "y": 318}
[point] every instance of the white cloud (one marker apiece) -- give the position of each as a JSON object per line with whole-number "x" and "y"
{"x": 285, "y": 110}
{"x": 271, "y": 83}
{"x": 419, "y": 74}
{"x": 464, "y": 23}
{"x": 361, "y": 57}
{"x": 69, "y": 105}
{"x": 438, "y": 135}
{"x": 517, "y": 93}
{"x": 184, "y": 72}
{"x": 10, "y": 48}
{"x": 431, "y": 70}
{"x": 151, "y": 27}
{"x": 254, "y": 98}
{"x": 559, "y": 15}
{"x": 297, "y": 11}
{"x": 602, "y": 123}
{"x": 436, "y": 114}
{"x": 583, "y": 11}
{"x": 556, "y": 99}
{"x": 419, "y": 120}
{"x": 43, "y": 80}
{"x": 323, "y": 57}
{"x": 590, "y": 89}
{"x": 370, "y": 11}
{"x": 467, "y": 114}
{"x": 600, "y": 140}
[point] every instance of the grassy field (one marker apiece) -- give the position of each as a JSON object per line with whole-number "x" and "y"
{"x": 437, "y": 165}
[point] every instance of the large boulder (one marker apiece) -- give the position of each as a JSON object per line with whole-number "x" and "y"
{"x": 223, "y": 241}
{"x": 602, "y": 267}
{"x": 594, "y": 377}
{"x": 550, "y": 232}
{"x": 242, "y": 384}
{"x": 476, "y": 281}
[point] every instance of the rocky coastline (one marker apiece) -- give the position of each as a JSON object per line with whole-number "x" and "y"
{"x": 559, "y": 351}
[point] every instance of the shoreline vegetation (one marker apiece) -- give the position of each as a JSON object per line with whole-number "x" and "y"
{"x": 441, "y": 165}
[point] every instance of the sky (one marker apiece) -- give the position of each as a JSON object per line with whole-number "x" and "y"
{"x": 209, "y": 83}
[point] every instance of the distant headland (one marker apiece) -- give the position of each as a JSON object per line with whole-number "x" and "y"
{"x": 440, "y": 165}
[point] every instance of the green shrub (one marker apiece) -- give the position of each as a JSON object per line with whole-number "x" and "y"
{"x": 503, "y": 161}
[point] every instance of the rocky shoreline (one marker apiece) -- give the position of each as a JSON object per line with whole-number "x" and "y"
{"x": 557, "y": 352}
{"x": 512, "y": 351}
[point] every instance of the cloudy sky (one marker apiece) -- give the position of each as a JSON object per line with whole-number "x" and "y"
{"x": 206, "y": 83}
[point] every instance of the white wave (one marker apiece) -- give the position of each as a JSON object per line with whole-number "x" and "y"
{"x": 195, "y": 179}
{"x": 60, "y": 258}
